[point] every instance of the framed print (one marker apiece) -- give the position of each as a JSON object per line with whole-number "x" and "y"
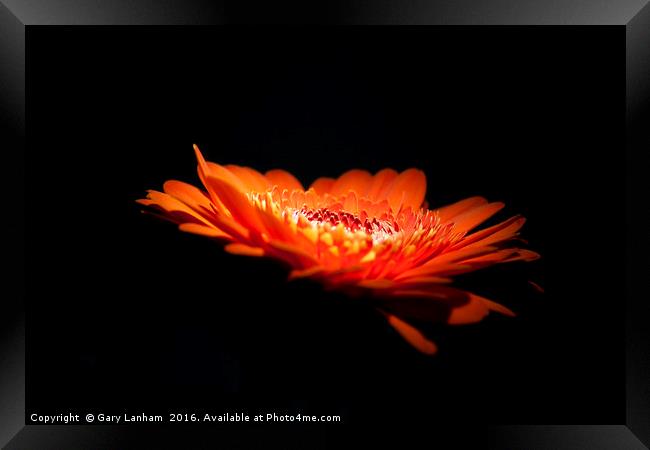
{"x": 252, "y": 225}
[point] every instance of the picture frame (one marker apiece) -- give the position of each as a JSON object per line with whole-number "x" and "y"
{"x": 16, "y": 18}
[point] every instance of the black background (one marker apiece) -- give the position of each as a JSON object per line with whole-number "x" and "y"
{"x": 126, "y": 312}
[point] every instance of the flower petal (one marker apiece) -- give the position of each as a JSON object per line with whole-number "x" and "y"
{"x": 176, "y": 210}
{"x": 252, "y": 179}
{"x": 380, "y": 185}
{"x": 448, "y": 304}
{"x": 294, "y": 255}
{"x": 188, "y": 194}
{"x": 433, "y": 304}
{"x": 420, "y": 282}
{"x": 408, "y": 189}
{"x": 206, "y": 169}
{"x": 493, "y": 306}
{"x": 493, "y": 257}
{"x": 448, "y": 212}
{"x": 475, "y": 216}
{"x": 351, "y": 204}
{"x": 353, "y": 180}
{"x": 474, "y": 311}
{"x": 445, "y": 263}
{"x": 523, "y": 255}
{"x": 492, "y": 235}
{"x": 233, "y": 228}
{"x": 202, "y": 230}
{"x": 283, "y": 180}
{"x": 452, "y": 305}
{"x": 279, "y": 230}
{"x": 412, "y": 335}
{"x": 243, "y": 249}
{"x": 322, "y": 185}
{"x": 236, "y": 202}
{"x": 306, "y": 273}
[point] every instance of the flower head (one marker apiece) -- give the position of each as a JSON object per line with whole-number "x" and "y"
{"x": 359, "y": 233}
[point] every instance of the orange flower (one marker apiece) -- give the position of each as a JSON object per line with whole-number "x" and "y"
{"x": 360, "y": 233}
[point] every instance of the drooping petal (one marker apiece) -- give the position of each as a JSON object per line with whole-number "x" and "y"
{"x": 494, "y": 306}
{"x": 434, "y": 304}
{"x": 412, "y": 335}
{"x": 471, "y": 312}
{"x": 454, "y": 306}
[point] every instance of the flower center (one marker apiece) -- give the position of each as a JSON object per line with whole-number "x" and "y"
{"x": 352, "y": 222}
